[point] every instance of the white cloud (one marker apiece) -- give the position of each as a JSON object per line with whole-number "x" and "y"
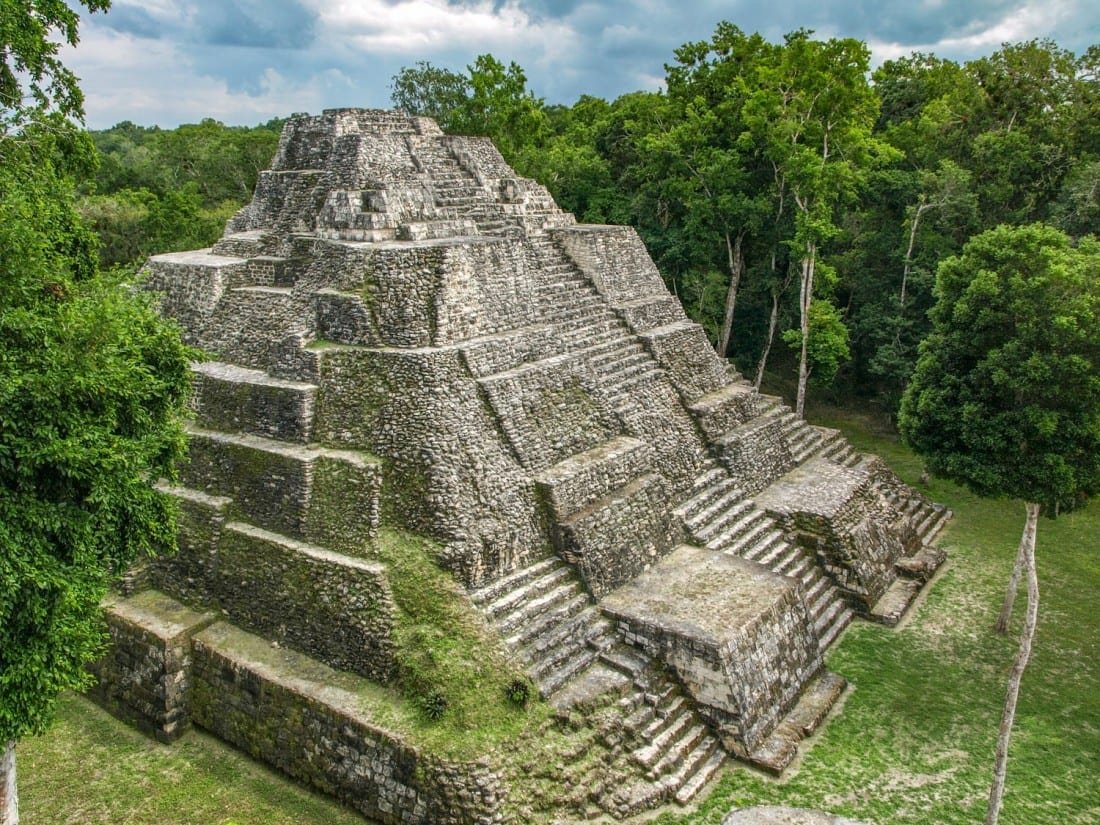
{"x": 1024, "y": 23}
{"x": 417, "y": 27}
{"x": 154, "y": 81}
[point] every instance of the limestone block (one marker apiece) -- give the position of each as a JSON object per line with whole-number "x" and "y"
{"x": 190, "y": 285}
{"x": 191, "y": 573}
{"x": 581, "y": 479}
{"x": 726, "y": 408}
{"x": 316, "y": 725}
{"x": 651, "y": 311}
{"x": 313, "y": 493}
{"x": 757, "y": 452}
{"x": 618, "y": 536}
{"x": 335, "y": 608}
{"x": 549, "y": 410}
{"x": 615, "y": 259}
{"x": 145, "y": 677}
{"x": 237, "y": 399}
{"x": 837, "y": 512}
{"x": 683, "y": 350}
{"x": 738, "y": 637}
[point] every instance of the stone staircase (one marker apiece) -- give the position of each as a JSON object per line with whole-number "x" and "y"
{"x": 548, "y": 620}
{"x": 456, "y": 191}
{"x": 652, "y": 740}
{"x": 719, "y": 516}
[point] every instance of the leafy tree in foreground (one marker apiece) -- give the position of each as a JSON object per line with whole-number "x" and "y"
{"x": 1006, "y": 394}
{"x": 92, "y": 386}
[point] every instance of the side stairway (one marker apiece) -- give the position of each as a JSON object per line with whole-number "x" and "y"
{"x": 646, "y": 745}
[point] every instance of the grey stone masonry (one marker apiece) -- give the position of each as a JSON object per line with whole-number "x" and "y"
{"x": 402, "y": 333}
{"x": 146, "y": 677}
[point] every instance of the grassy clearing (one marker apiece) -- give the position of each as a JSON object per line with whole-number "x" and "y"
{"x": 913, "y": 744}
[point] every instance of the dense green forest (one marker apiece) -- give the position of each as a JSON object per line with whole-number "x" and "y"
{"x": 797, "y": 202}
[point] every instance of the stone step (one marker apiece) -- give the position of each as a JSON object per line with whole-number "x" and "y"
{"x": 776, "y": 752}
{"x": 512, "y": 623}
{"x": 892, "y": 605}
{"x": 569, "y": 641}
{"x": 668, "y": 731}
{"x": 698, "y": 779}
{"x": 921, "y": 565}
{"x": 709, "y": 486}
{"x": 832, "y": 621}
{"x": 579, "y": 480}
{"x": 238, "y": 399}
{"x": 729, "y": 510}
{"x": 262, "y": 328}
{"x": 768, "y": 548}
{"x": 724, "y": 409}
{"x": 933, "y": 523}
{"x": 502, "y": 586}
{"x": 545, "y": 622}
{"x": 679, "y": 751}
{"x": 242, "y": 244}
{"x": 556, "y": 638}
{"x": 628, "y": 661}
{"x": 316, "y": 494}
{"x": 620, "y": 391}
{"x": 815, "y": 587}
{"x": 559, "y": 677}
{"x": 741, "y": 534}
{"x": 624, "y": 351}
{"x": 531, "y": 589}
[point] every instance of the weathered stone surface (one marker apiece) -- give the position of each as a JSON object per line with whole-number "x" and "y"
{"x": 837, "y": 512}
{"x": 736, "y": 634}
{"x": 145, "y": 678}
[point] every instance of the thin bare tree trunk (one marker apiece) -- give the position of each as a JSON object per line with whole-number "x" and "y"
{"x": 997, "y": 789}
{"x": 804, "y": 311}
{"x": 1001, "y": 625}
{"x": 737, "y": 266}
{"x": 772, "y": 321}
{"x": 909, "y": 252}
{"x": 9, "y": 794}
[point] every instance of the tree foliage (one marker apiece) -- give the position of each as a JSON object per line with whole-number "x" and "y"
{"x": 91, "y": 390}
{"x": 31, "y": 74}
{"x": 1006, "y": 394}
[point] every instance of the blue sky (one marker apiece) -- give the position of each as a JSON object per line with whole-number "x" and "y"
{"x": 167, "y": 62}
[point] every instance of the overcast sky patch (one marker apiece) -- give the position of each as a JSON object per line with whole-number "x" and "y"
{"x": 244, "y": 61}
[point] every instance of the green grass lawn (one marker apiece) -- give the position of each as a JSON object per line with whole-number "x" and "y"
{"x": 913, "y": 742}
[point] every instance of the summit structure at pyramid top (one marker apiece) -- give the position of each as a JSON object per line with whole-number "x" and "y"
{"x": 374, "y": 175}
{"x": 405, "y": 334}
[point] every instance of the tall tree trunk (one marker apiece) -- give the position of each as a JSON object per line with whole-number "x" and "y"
{"x": 1008, "y": 716}
{"x": 772, "y": 321}
{"x": 921, "y": 207}
{"x": 1001, "y": 625}
{"x": 737, "y": 266}
{"x": 9, "y": 795}
{"x": 804, "y": 311}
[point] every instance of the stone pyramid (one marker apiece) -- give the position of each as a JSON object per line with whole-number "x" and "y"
{"x": 404, "y": 333}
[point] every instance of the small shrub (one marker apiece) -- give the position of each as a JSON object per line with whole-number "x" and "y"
{"x": 434, "y": 705}
{"x": 519, "y": 691}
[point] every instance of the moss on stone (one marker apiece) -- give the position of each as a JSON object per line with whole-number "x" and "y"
{"x": 444, "y": 647}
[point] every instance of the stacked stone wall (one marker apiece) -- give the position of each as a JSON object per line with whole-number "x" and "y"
{"x": 145, "y": 678}
{"x": 615, "y": 259}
